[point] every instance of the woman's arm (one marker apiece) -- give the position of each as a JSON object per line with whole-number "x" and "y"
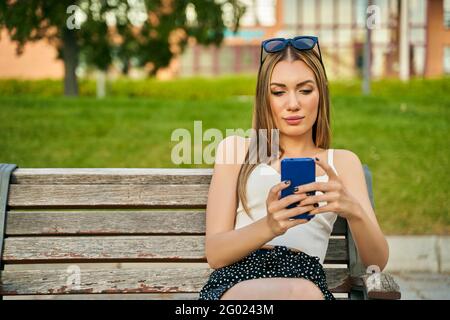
{"x": 223, "y": 244}
{"x": 347, "y": 195}
{"x": 369, "y": 239}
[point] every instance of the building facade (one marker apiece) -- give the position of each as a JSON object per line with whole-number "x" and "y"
{"x": 341, "y": 28}
{"x": 339, "y": 24}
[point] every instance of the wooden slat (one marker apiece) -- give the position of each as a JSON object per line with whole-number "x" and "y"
{"x": 123, "y": 248}
{"x": 35, "y": 196}
{"x": 114, "y": 265}
{"x": 105, "y": 222}
{"x": 381, "y": 285}
{"x": 115, "y": 222}
{"x": 156, "y": 176}
{"x": 119, "y": 248}
{"x": 340, "y": 227}
{"x": 164, "y": 280}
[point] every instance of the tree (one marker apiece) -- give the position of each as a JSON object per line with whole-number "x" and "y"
{"x": 143, "y": 32}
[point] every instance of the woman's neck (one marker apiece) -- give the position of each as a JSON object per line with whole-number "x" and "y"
{"x": 296, "y": 147}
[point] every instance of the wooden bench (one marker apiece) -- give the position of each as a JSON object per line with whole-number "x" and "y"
{"x": 127, "y": 233}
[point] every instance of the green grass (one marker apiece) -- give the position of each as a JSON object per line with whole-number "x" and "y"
{"x": 185, "y": 88}
{"x": 400, "y": 132}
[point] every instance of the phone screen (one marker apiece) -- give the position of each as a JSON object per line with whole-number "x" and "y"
{"x": 299, "y": 171}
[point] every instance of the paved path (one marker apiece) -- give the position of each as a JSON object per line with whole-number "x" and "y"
{"x": 423, "y": 286}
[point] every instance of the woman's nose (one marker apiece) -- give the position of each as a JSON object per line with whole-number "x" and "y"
{"x": 293, "y": 103}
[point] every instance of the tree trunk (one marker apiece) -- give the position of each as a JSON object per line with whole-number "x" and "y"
{"x": 70, "y": 57}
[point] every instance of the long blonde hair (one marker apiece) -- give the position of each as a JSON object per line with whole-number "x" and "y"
{"x": 263, "y": 117}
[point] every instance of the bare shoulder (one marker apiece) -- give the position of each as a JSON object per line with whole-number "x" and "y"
{"x": 346, "y": 161}
{"x": 343, "y": 154}
{"x": 232, "y": 149}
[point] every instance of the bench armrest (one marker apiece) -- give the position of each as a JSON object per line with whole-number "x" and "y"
{"x": 379, "y": 285}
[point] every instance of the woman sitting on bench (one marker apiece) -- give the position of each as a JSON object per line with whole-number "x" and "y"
{"x": 256, "y": 249}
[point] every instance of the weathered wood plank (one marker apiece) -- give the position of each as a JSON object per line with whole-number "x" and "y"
{"x": 166, "y": 280}
{"x": 101, "y": 195}
{"x": 123, "y": 248}
{"x": 115, "y": 222}
{"x": 117, "y": 248}
{"x": 157, "y": 176}
{"x": 114, "y": 265}
{"x": 340, "y": 227}
{"x": 381, "y": 285}
{"x": 106, "y": 222}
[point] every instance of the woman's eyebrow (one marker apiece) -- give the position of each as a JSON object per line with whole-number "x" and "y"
{"x": 298, "y": 84}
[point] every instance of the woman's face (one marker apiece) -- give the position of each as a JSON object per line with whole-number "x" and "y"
{"x": 293, "y": 93}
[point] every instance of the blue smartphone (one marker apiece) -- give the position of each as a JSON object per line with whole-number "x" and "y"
{"x": 299, "y": 171}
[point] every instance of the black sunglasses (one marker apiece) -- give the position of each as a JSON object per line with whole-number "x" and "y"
{"x": 300, "y": 43}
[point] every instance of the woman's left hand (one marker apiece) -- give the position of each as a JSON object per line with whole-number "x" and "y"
{"x": 338, "y": 199}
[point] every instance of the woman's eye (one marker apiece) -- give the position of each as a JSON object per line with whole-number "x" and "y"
{"x": 277, "y": 93}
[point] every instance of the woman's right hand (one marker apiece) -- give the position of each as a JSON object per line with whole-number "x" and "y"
{"x": 278, "y": 217}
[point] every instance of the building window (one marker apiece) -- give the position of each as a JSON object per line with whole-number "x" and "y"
{"x": 258, "y": 12}
{"x": 447, "y": 14}
{"x": 447, "y": 60}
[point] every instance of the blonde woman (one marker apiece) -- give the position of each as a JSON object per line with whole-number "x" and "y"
{"x": 257, "y": 251}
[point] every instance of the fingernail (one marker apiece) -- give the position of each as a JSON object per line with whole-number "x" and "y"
{"x": 287, "y": 181}
{"x": 315, "y": 205}
{"x": 295, "y": 189}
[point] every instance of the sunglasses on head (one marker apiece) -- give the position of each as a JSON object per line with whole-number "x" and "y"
{"x": 300, "y": 43}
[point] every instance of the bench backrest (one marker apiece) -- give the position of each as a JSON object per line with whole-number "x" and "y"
{"x": 104, "y": 233}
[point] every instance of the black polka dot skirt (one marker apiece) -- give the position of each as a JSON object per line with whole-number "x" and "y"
{"x": 279, "y": 261}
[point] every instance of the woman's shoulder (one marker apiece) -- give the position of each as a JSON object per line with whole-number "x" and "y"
{"x": 345, "y": 161}
{"x": 344, "y": 153}
{"x": 233, "y": 148}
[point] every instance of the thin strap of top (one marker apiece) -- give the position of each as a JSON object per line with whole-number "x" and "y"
{"x": 330, "y": 157}
{"x": 331, "y": 160}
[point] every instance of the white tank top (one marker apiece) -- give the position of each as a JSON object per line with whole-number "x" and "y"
{"x": 312, "y": 237}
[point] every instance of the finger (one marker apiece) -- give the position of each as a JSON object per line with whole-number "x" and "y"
{"x": 289, "y": 213}
{"x": 327, "y": 168}
{"x": 326, "y": 208}
{"x": 286, "y": 201}
{"x": 319, "y": 198}
{"x": 274, "y": 191}
{"x": 314, "y": 186}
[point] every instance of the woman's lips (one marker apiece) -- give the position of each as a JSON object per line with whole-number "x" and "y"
{"x": 294, "y": 121}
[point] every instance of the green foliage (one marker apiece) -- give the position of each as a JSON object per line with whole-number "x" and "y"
{"x": 134, "y": 33}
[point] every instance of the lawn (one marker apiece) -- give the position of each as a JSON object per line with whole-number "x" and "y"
{"x": 400, "y": 132}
